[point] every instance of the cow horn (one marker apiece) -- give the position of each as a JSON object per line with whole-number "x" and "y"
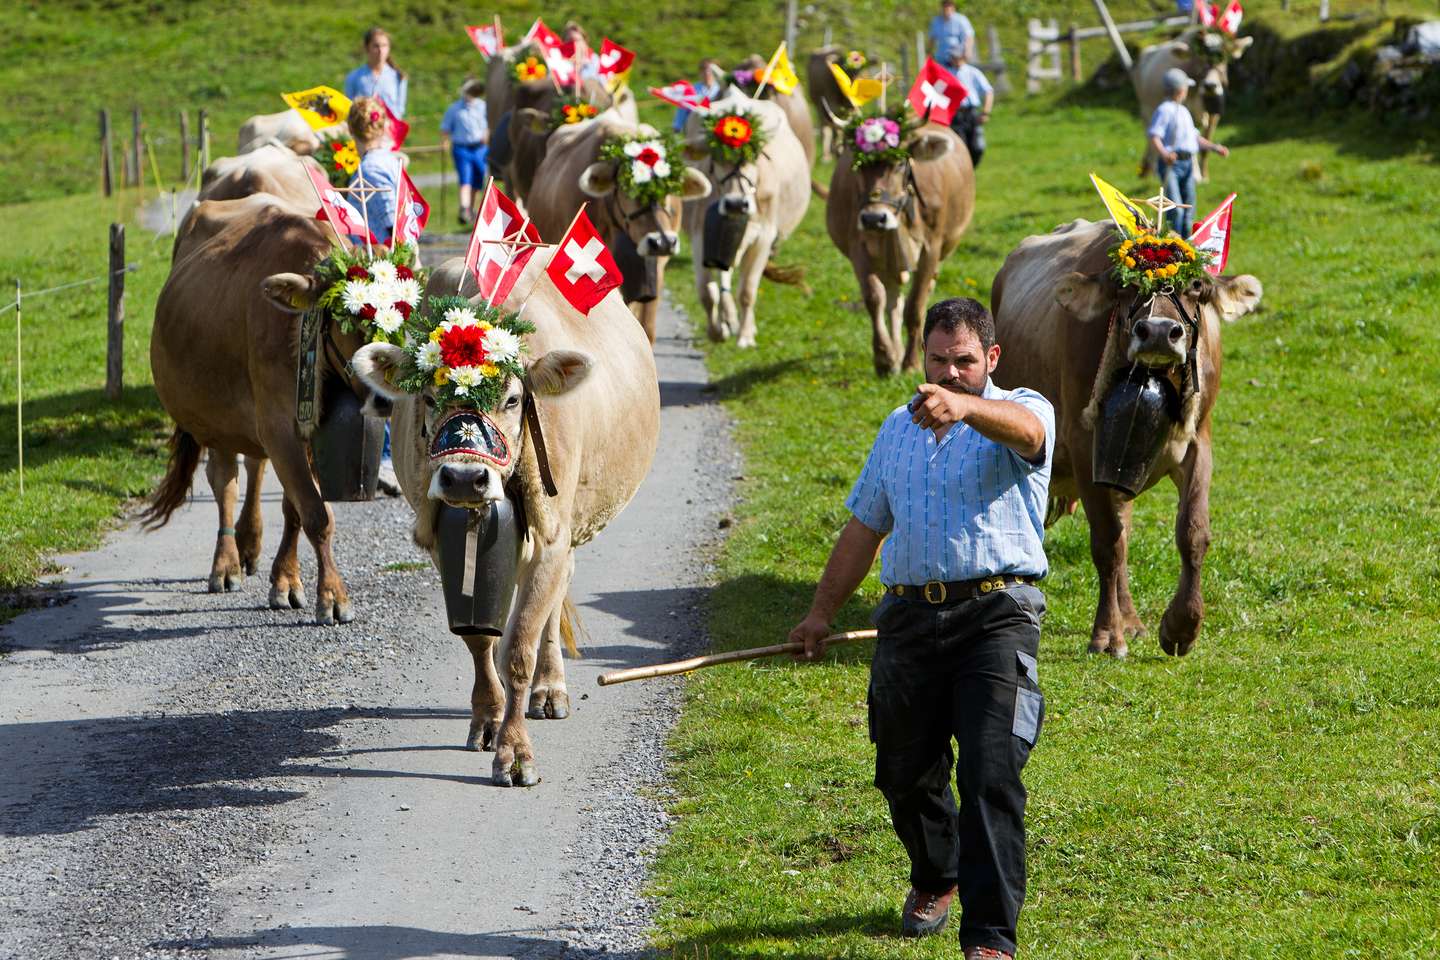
{"x": 834, "y": 120}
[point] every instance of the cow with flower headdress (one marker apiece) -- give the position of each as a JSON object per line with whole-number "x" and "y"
{"x": 901, "y": 197}
{"x": 632, "y": 181}
{"x": 553, "y": 410}
{"x": 761, "y": 181}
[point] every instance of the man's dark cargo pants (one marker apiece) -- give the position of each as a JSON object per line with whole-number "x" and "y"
{"x": 965, "y": 670}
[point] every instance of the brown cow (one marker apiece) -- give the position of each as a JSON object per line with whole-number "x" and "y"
{"x": 530, "y": 126}
{"x": 897, "y": 222}
{"x": 600, "y": 437}
{"x": 572, "y": 174}
{"x": 1067, "y": 329}
{"x": 223, "y": 353}
{"x": 270, "y": 169}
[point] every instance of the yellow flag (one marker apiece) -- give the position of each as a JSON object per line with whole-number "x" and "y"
{"x": 617, "y": 80}
{"x": 320, "y": 106}
{"x": 778, "y": 72}
{"x": 859, "y": 91}
{"x": 1124, "y": 211}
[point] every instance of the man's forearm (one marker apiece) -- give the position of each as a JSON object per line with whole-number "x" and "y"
{"x": 850, "y": 561}
{"x": 1007, "y": 422}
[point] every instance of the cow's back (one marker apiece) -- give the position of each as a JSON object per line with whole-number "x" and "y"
{"x": 555, "y": 196}
{"x": 274, "y": 170}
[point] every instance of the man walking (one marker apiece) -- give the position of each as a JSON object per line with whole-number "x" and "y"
{"x": 956, "y": 486}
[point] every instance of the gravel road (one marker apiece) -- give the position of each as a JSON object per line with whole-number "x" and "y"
{"x": 188, "y": 774}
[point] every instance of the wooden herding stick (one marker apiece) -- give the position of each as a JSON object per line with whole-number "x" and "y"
{"x": 733, "y": 656}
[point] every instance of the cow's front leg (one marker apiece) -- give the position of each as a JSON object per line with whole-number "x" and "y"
{"x": 292, "y": 466}
{"x": 225, "y": 571}
{"x": 921, "y": 287}
{"x": 707, "y": 288}
{"x": 287, "y": 589}
{"x": 1134, "y": 626}
{"x": 752, "y": 268}
{"x": 1181, "y": 624}
{"x": 541, "y": 594}
{"x": 884, "y": 350}
{"x": 487, "y": 698}
{"x": 250, "y": 527}
{"x": 1107, "y": 550}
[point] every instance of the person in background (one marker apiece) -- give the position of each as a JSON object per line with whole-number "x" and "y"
{"x": 465, "y": 130}
{"x": 969, "y": 121}
{"x": 711, "y": 84}
{"x": 589, "y": 63}
{"x": 1173, "y": 135}
{"x": 950, "y": 29}
{"x": 378, "y": 76}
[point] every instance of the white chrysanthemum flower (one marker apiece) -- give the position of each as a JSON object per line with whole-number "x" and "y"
{"x": 466, "y": 378}
{"x": 355, "y": 294}
{"x": 873, "y": 132}
{"x": 407, "y": 290}
{"x": 460, "y": 317}
{"x": 389, "y": 319}
{"x": 661, "y": 168}
{"x": 377, "y": 295}
{"x": 383, "y": 271}
{"x": 633, "y": 148}
{"x": 641, "y": 172}
{"x": 427, "y": 358}
{"x": 500, "y": 344}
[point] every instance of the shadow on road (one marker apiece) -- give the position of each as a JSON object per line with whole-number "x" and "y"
{"x": 384, "y": 942}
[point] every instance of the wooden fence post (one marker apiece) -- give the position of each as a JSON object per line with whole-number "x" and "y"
{"x": 107, "y": 171}
{"x": 115, "y": 317}
{"x": 184, "y": 147}
{"x": 1075, "y": 52}
{"x": 999, "y": 76}
{"x": 203, "y": 138}
{"x": 904, "y": 67}
{"x": 134, "y": 172}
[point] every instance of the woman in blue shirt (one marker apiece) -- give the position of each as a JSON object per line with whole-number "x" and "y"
{"x": 379, "y": 77}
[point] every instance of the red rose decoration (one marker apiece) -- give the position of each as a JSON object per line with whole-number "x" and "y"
{"x": 357, "y": 272}
{"x": 404, "y": 272}
{"x": 403, "y": 307}
{"x": 462, "y": 347}
{"x": 368, "y": 312}
{"x": 649, "y": 156}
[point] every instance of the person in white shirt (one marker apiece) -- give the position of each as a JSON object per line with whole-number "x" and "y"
{"x": 969, "y": 121}
{"x": 1173, "y": 135}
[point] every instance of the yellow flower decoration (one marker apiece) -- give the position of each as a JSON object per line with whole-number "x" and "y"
{"x": 435, "y": 335}
{"x": 489, "y": 369}
{"x": 530, "y": 69}
{"x": 442, "y": 376}
{"x": 1130, "y": 262}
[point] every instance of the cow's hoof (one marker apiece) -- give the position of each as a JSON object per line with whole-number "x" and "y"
{"x": 1110, "y": 643}
{"x": 548, "y": 704}
{"x": 249, "y": 564}
{"x": 745, "y": 343}
{"x": 1177, "y": 639}
{"x": 483, "y": 735}
{"x": 287, "y": 598}
{"x": 227, "y": 582}
{"x": 329, "y": 612}
{"x": 716, "y": 334}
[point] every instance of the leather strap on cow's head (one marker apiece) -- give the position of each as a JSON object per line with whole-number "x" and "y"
{"x": 537, "y": 439}
{"x": 470, "y": 433}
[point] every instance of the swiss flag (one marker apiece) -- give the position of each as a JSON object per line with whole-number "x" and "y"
{"x": 335, "y": 208}
{"x": 1207, "y": 13}
{"x": 937, "y": 93}
{"x": 561, "y": 61}
{"x": 496, "y": 266}
{"x": 411, "y": 212}
{"x": 615, "y": 60}
{"x": 1213, "y": 236}
{"x": 1229, "y": 21}
{"x": 486, "y": 39}
{"x": 543, "y": 35}
{"x": 682, "y": 94}
{"x": 582, "y": 268}
{"x": 399, "y": 129}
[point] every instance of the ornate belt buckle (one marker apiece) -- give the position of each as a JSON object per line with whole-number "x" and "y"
{"x": 927, "y": 594}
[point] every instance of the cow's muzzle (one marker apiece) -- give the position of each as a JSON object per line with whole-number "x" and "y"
{"x": 659, "y": 243}
{"x": 1157, "y": 341}
{"x": 737, "y": 205}
{"x": 466, "y": 484}
{"x": 878, "y": 220}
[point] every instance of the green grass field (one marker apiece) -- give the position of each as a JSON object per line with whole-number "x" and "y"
{"x": 1272, "y": 795}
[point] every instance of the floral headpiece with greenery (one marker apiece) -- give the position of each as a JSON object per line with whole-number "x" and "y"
{"x": 736, "y": 137}
{"x": 879, "y": 138}
{"x": 467, "y": 353}
{"x": 853, "y": 62}
{"x": 1150, "y": 262}
{"x": 531, "y": 68}
{"x": 339, "y": 159}
{"x": 373, "y": 294}
{"x": 569, "y": 110}
{"x": 643, "y": 167}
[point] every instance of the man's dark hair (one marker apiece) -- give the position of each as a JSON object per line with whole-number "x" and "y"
{"x": 950, "y": 315}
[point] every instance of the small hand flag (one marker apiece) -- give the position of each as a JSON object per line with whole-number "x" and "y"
{"x": 1213, "y": 235}
{"x": 494, "y": 265}
{"x": 937, "y": 93}
{"x": 582, "y": 268}
{"x": 411, "y": 212}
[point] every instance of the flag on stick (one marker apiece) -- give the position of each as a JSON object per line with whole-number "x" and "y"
{"x": 682, "y": 94}
{"x": 542, "y": 35}
{"x": 321, "y": 106}
{"x": 412, "y": 212}
{"x": 1213, "y": 236}
{"x": 778, "y": 73}
{"x": 858, "y": 91}
{"x": 937, "y": 93}
{"x": 336, "y": 209}
{"x": 582, "y": 268}
{"x": 1229, "y": 21}
{"x": 1124, "y": 211}
{"x": 615, "y": 63}
{"x": 488, "y": 258}
{"x": 486, "y": 39}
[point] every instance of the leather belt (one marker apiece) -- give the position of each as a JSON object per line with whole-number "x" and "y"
{"x": 1183, "y": 155}
{"x": 936, "y": 592}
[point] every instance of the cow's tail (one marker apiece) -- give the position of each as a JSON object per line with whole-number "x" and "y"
{"x": 792, "y": 275}
{"x": 819, "y": 189}
{"x": 184, "y": 458}
{"x": 571, "y": 627}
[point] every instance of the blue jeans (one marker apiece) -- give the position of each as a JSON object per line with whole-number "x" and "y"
{"x": 1177, "y": 181}
{"x": 469, "y": 163}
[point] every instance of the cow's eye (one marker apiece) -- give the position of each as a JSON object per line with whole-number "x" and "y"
{"x": 429, "y": 401}
{"x": 512, "y": 403}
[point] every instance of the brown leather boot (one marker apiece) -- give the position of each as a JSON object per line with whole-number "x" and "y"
{"x": 986, "y": 953}
{"x": 925, "y": 913}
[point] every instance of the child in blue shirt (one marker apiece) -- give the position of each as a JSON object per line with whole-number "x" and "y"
{"x": 969, "y": 121}
{"x": 466, "y": 131}
{"x": 379, "y": 165}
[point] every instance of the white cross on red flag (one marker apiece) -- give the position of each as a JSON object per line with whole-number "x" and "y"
{"x": 542, "y": 35}
{"x": 614, "y": 59}
{"x": 1207, "y": 13}
{"x": 494, "y": 265}
{"x": 335, "y": 208}
{"x": 682, "y": 94}
{"x": 937, "y": 93}
{"x": 486, "y": 39}
{"x": 582, "y": 268}
{"x": 1229, "y": 21}
{"x": 1213, "y": 235}
{"x": 412, "y": 212}
{"x": 561, "y": 61}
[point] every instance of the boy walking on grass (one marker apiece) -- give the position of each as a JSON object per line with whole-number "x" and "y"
{"x": 1173, "y": 135}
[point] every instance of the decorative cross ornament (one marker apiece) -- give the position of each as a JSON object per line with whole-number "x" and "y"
{"x": 362, "y": 190}
{"x": 1162, "y": 205}
{"x": 584, "y": 261}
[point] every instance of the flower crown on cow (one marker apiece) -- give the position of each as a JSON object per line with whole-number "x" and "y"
{"x": 568, "y": 110}
{"x": 1150, "y": 262}
{"x": 879, "y": 138}
{"x": 853, "y": 62}
{"x": 373, "y": 294}
{"x": 644, "y": 170}
{"x": 531, "y": 68}
{"x": 467, "y": 353}
{"x": 735, "y": 137}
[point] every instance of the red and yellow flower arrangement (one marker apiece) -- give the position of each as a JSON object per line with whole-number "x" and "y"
{"x": 1150, "y": 262}
{"x": 736, "y": 138}
{"x": 530, "y": 69}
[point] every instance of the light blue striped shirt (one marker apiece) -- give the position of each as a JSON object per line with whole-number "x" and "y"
{"x": 467, "y": 122}
{"x": 960, "y": 509}
{"x": 976, "y": 85}
{"x": 388, "y": 86}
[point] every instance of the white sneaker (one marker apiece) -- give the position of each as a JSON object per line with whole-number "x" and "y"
{"x": 389, "y": 484}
